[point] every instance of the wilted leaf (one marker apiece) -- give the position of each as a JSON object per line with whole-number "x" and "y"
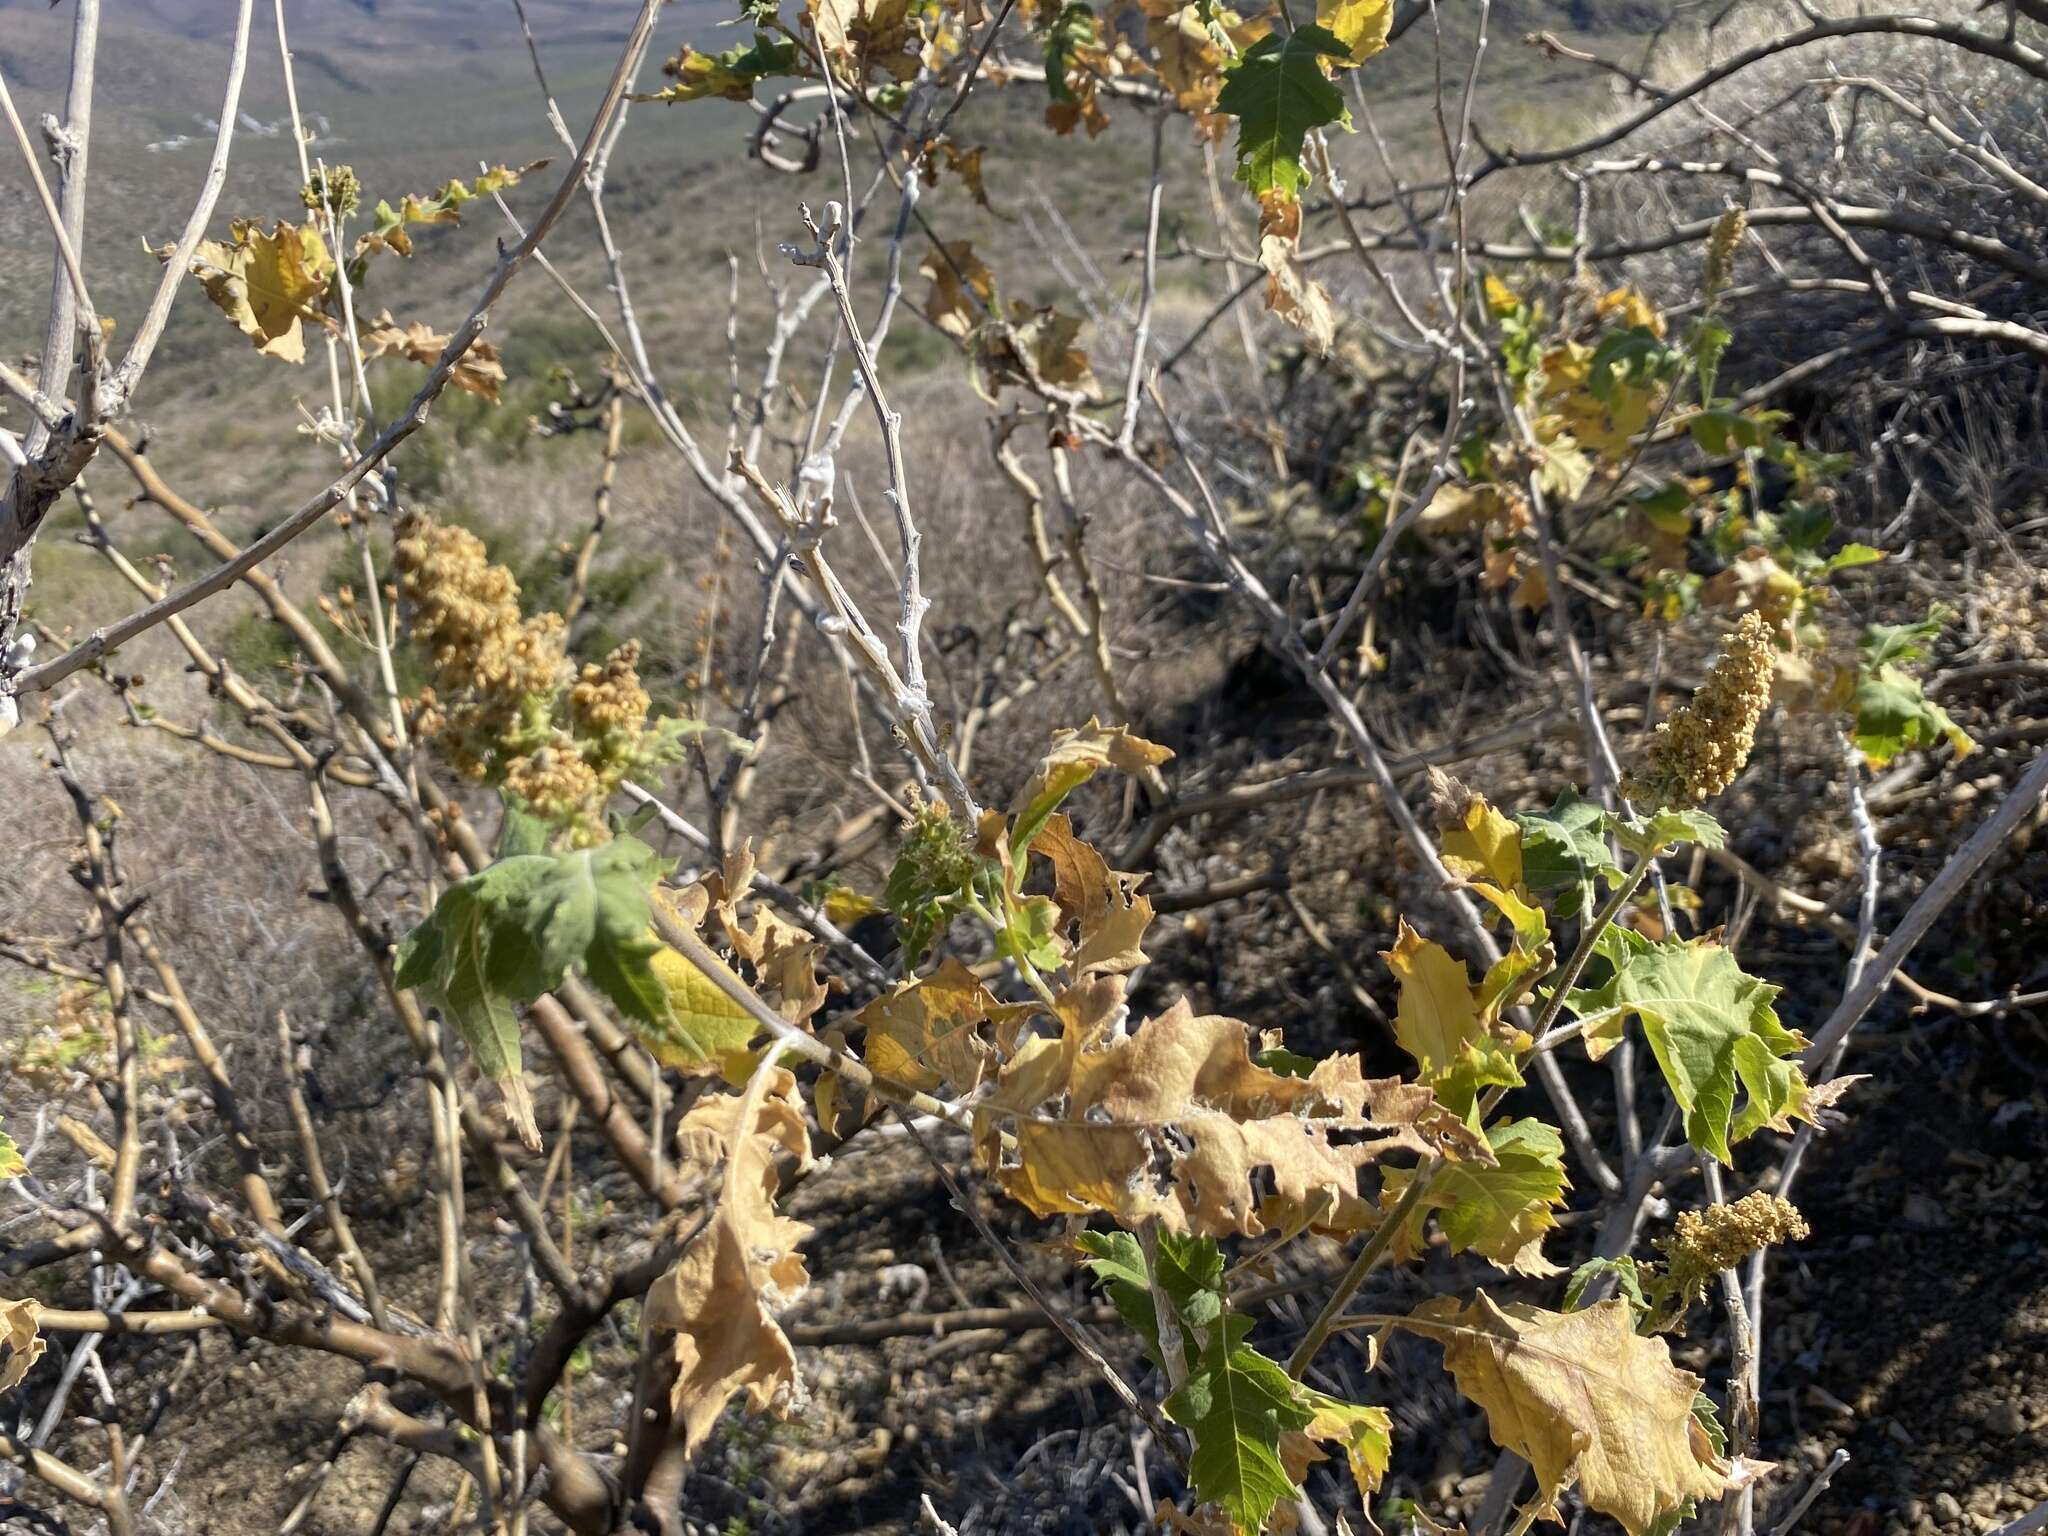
{"x": 1291, "y": 293}
{"x": 963, "y": 289}
{"x": 1278, "y": 92}
{"x": 732, "y": 74}
{"x": 1712, "y": 1028}
{"x": 927, "y": 1033}
{"x": 20, "y": 1344}
{"x": 1075, "y": 758}
{"x": 1171, "y": 1121}
{"x": 268, "y": 284}
{"x": 721, "y": 1298}
{"x": 1102, "y": 906}
{"x": 1584, "y": 1399}
{"x": 478, "y": 370}
{"x": 1036, "y": 347}
{"x": 857, "y": 36}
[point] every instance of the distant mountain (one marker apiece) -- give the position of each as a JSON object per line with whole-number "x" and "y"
{"x": 368, "y": 27}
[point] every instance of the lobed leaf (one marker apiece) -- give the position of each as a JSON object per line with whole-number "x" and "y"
{"x": 1713, "y": 1031}
{"x": 1278, "y": 93}
{"x": 1584, "y": 1399}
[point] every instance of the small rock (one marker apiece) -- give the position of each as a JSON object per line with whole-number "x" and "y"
{"x": 1924, "y": 1211}
{"x": 2005, "y": 1418}
{"x": 1946, "y": 1509}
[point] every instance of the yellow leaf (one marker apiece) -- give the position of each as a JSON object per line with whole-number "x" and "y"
{"x": 720, "y": 1298}
{"x": 20, "y": 1343}
{"x": 705, "y": 1024}
{"x": 1436, "y": 1017}
{"x": 1362, "y": 1430}
{"x": 1584, "y": 1400}
{"x": 1362, "y": 26}
{"x": 268, "y": 284}
{"x": 1479, "y": 840}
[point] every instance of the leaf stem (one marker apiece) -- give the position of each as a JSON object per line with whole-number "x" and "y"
{"x": 1576, "y": 965}
{"x": 1368, "y": 1260}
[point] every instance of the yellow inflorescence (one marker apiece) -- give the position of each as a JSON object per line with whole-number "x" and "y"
{"x": 1698, "y": 752}
{"x": 506, "y": 705}
{"x": 610, "y": 698}
{"x": 1722, "y": 245}
{"x": 1705, "y": 1242}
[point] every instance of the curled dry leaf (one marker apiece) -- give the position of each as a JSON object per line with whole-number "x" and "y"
{"x": 1291, "y": 293}
{"x": 1171, "y": 1122}
{"x": 928, "y": 1033}
{"x": 478, "y": 370}
{"x": 720, "y": 1299}
{"x": 1102, "y": 906}
{"x": 1585, "y": 1399}
{"x": 20, "y": 1344}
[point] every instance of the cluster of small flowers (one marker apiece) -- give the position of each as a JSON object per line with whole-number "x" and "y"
{"x": 510, "y": 709}
{"x": 1698, "y": 752}
{"x": 496, "y": 673}
{"x": 335, "y": 187}
{"x": 1705, "y": 1242}
{"x": 1722, "y": 245}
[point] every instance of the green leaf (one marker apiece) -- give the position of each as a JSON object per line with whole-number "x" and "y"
{"x": 1190, "y": 1272}
{"x": 1502, "y": 1211}
{"x": 1708, "y": 1417}
{"x": 731, "y": 74}
{"x": 1287, "y": 1063}
{"x": 12, "y": 1164}
{"x": 1849, "y": 556}
{"x": 1636, "y": 356}
{"x": 1033, "y": 934}
{"x": 1668, "y": 828}
{"x": 1236, "y": 1403}
{"x": 1894, "y": 713}
{"x": 1565, "y": 846}
{"x": 521, "y": 831}
{"x": 1625, "y": 1278}
{"x": 517, "y": 929}
{"x": 1073, "y": 27}
{"x": 1709, "y": 343}
{"x": 1712, "y": 1029}
{"x": 1278, "y": 93}
{"x": 1904, "y": 642}
{"x": 388, "y": 224}
{"x": 1727, "y": 433}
